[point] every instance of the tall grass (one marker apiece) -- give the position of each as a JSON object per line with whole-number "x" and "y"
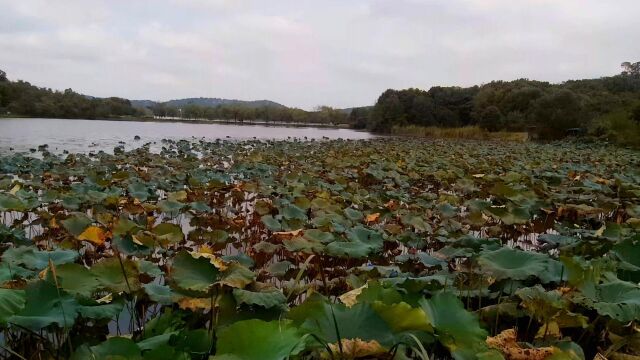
{"x": 466, "y": 132}
{"x": 617, "y": 127}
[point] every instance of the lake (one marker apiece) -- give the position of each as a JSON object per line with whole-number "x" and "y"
{"x": 73, "y": 135}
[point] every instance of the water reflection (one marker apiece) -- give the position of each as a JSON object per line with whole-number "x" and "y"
{"x": 95, "y": 135}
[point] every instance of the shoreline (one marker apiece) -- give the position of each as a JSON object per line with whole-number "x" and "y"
{"x": 198, "y": 121}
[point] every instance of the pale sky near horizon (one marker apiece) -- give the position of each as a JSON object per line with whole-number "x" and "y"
{"x": 308, "y": 53}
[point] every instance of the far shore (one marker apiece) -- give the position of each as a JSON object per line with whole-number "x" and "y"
{"x": 199, "y": 121}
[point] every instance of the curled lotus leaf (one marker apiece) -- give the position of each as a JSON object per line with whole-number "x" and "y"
{"x": 194, "y": 274}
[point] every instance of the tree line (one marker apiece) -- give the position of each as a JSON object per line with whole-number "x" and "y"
{"x": 23, "y": 99}
{"x": 548, "y": 110}
{"x": 322, "y": 115}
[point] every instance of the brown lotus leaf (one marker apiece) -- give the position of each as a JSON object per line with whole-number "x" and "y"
{"x": 349, "y": 298}
{"x": 371, "y": 218}
{"x": 94, "y": 235}
{"x": 507, "y": 344}
{"x": 194, "y": 304}
{"x": 287, "y": 234}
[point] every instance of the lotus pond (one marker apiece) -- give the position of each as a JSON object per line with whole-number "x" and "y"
{"x": 376, "y": 249}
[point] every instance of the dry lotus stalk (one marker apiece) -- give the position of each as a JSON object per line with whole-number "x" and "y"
{"x": 507, "y": 344}
{"x": 287, "y": 234}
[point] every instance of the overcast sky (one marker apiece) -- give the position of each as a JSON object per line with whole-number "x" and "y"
{"x": 307, "y": 53}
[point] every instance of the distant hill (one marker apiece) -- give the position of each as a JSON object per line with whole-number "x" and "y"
{"x": 207, "y": 102}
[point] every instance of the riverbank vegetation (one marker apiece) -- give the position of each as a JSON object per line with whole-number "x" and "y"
{"x": 463, "y": 132}
{"x": 608, "y": 107}
{"x": 392, "y": 248}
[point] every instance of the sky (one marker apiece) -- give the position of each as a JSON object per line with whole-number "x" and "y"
{"x": 340, "y": 53}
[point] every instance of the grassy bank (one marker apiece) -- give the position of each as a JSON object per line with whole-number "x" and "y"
{"x": 467, "y": 132}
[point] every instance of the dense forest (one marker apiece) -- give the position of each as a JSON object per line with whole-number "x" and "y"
{"x": 23, "y": 99}
{"x": 545, "y": 109}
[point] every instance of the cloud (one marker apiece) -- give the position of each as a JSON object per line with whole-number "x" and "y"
{"x": 304, "y": 53}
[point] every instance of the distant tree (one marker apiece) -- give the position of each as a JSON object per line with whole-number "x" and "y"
{"x": 557, "y": 112}
{"x": 631, "y": 69}
{"x": 388, "y": 112}
{"x": 3, "y": 76}
{"x": 491, "y": 119}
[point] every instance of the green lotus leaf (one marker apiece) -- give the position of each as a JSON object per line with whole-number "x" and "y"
{"x": 168, "y": 233}
{"x": 540, "y": 303}
{"x": 349, "y": 249}
{"x": 117, "y": 276}
{"x": 456, "y": 328}
{"x": 271, "y": 223}
{"x": 304, "y": 244}
{"x": 265, "y": 299}
{"x": 353, "y": 214}
{"x": 165, "y": 352}
{"x": 402, "y": 317}
{"x": 279, "y": 268}
{"x": 139, "y": 191}
{"x": 77, "y": 279}
{"x": 293, "y": 212}
{"x": 35, "y": 259}
{"x": 45, "y": 306}
{"x": 15, "y": 236}
{"x": 76, "y": 223}
{"x": 619, "y": 300}
{"x": 13, "y": 272}
{"x": 154, "y": 342}
{"x": 102, "y": 311}
{"x": 331, "y": 322}
{"x": 161, "y": 294}
{"x": 628, "y": 251}
{"x": 200, "y": 206}
{"x": 417, "y": 222}
{"x": 318, "y": 236}
{"x": 375, "y": 291}
{"x": 237, "y": 275}
{"x": 258, "y": 340}
{"x": 125, "y": 226}
{"x": 510, "y": 215}
{"x": 115, "y": 348}
{"x": 11, "y": 302}
{"x": 171, "y": 208}
{"x": 149, "y": 268}
{"x": 127, "y": 246}
{"x": 21, "y": 201}
{"x": 507, "y": 263}
{"x": 558, "y": 240}
{"x": 194, "y": 274}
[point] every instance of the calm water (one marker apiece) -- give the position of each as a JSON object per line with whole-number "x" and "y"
{"x": 88, "y": 135}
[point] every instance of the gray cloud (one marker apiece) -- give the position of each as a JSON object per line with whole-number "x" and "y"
{"x": 307, "y": 53}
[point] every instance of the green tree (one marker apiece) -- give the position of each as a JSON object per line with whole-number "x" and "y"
{"x": 557, "y": 112}
{"x": 3, "y": 76}
{"x": 631, "y": 69}
{"x": 491, "y": 119}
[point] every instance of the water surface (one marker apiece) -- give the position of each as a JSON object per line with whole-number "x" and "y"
{"x": 23, "y": 134}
